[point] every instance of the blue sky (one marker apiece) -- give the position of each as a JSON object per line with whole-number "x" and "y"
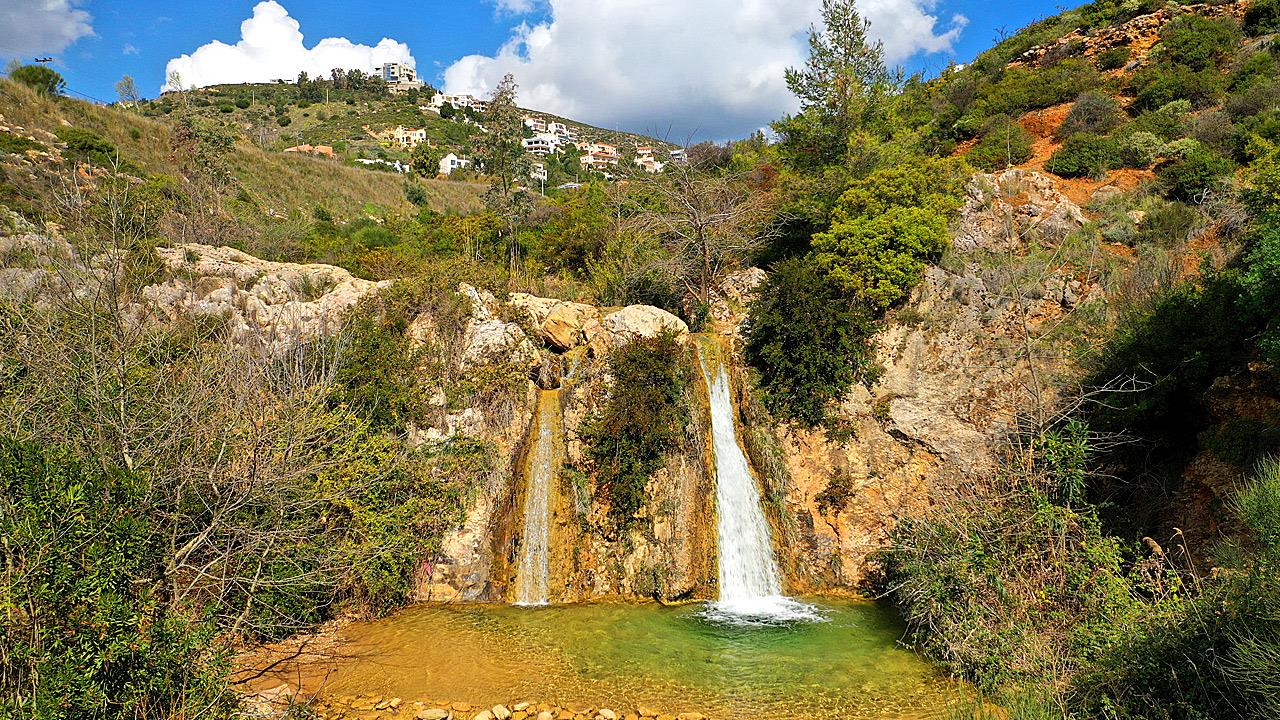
{"x": 705, "y": 68}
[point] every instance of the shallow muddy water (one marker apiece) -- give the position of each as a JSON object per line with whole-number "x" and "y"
{"x": 621, "y": 656}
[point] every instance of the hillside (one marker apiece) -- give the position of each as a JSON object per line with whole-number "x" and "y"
{"x": 357, "y": 122}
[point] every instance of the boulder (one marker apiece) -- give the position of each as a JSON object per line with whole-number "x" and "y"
{"x": 493, "y": 341}
{"x": 570, "y": 324}
{"x": 433, "y": 714}
{"x": 633, "y": 322}
{"x": 483, "y": 715}
{"x": 501, "y": 712}
{"x": 533, "y": 307}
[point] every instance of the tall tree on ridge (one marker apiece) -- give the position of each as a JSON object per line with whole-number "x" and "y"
{"x": 502, "y": 158}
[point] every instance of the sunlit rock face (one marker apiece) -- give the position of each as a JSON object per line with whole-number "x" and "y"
{"x": 274, "y": 303}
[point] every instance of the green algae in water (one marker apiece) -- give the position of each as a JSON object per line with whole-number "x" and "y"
{"x": 621, "y": 656}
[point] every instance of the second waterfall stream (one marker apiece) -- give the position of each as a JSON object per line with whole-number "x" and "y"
{"x": 750, "y": 581}
{"x": 532, "y": 575}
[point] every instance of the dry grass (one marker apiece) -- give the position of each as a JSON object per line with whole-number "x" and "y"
{"x": 287, "y": 182}
{"x": 277, "y": 181}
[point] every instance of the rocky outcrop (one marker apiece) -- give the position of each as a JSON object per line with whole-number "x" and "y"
{"x": 277, "y": 304}
{"x": 962, "y": 361}
{"x": 490, "y": 340}
{"x": 1139, "y": 34}
{"x": 1003, "y": 211}
{"x": 563, "y": 325}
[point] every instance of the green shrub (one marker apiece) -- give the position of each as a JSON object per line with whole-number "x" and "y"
{"x": 1168, "y": 122}
{"x": 643, "y": 418}
{"x": 1083, "y": 155}
{"x": 1262, "y": 17}
{"x": 44, "y": 80}
{"x": 90, "y": 146}
{"x": 1228, "y": 628}
{"x": 1020, "y": 89}
{"x": 17, "y": 144}
{"x": 1198, "y": 42}
{"x": 1139, "y": 150}
{"x": 86, "y": 631}
{"x": 1093, "y": 112}
{"x": 374, "y": 236}
{"x": 1159, "y": 85}
{"x": 1257, "y": 67}
{"x": 242, "y": 103}
{"x": 1004, "y": 143}
{"x": 1005, "y": 587}
{"x": 802, "y": 367}
{"x": 886, "y": 226}
{"x": 284, "y": 121}
{"x": 1168, "y": 225}
{"x": 1113, "y": 58}
{"x": 1189, "y": 178}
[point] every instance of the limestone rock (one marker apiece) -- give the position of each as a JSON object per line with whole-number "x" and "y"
{"x": 277, "y": 304}
{"x": 1000, "y": 208}
{"x": 433, "y": 714}
{"x": 632, "y": 322}
{"x": 490, "y": 340}
{"x": 501, "y": 712}
{"x": 570, "y": 324}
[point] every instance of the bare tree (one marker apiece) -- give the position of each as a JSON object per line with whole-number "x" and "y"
{"x": 710, "y": 224}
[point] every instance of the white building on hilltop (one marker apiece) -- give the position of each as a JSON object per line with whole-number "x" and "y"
{"x": 399, "y": 77}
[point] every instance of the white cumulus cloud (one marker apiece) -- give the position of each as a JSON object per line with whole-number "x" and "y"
{"x": 679, "y": 69}
{"x": 39, "y": 27}
{"x": 271, "y": 47}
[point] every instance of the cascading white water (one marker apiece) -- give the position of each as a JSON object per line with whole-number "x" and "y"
{"x": 750, "y": 582}
{"x": 543, "y": 468}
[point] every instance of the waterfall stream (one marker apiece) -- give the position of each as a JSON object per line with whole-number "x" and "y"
{"x": 542, "y": 470}
{"x": 750, "y": 582}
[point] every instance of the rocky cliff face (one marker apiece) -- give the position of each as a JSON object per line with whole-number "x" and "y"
{"x": 968, "y": 355}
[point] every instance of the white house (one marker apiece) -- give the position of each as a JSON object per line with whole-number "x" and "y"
{"x": 535, "y": 124}
{"x": 541, "y": 144}
{"x": 452, "y": 162}
{"x": 458, "y": 101}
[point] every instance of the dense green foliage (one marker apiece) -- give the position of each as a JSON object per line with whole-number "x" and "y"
{"x": 41, "y": 78}
{"x": 886, "y": 227}
{"x": 806, "y": 341}
{"x": 643, "y": 417}
{"x": 87, "y": 629}
{"x": 1083, "y": 155}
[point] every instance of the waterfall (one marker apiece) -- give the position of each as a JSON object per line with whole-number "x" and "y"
{"x": 750, "y": 582}
{"x": 542, "y": 470}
